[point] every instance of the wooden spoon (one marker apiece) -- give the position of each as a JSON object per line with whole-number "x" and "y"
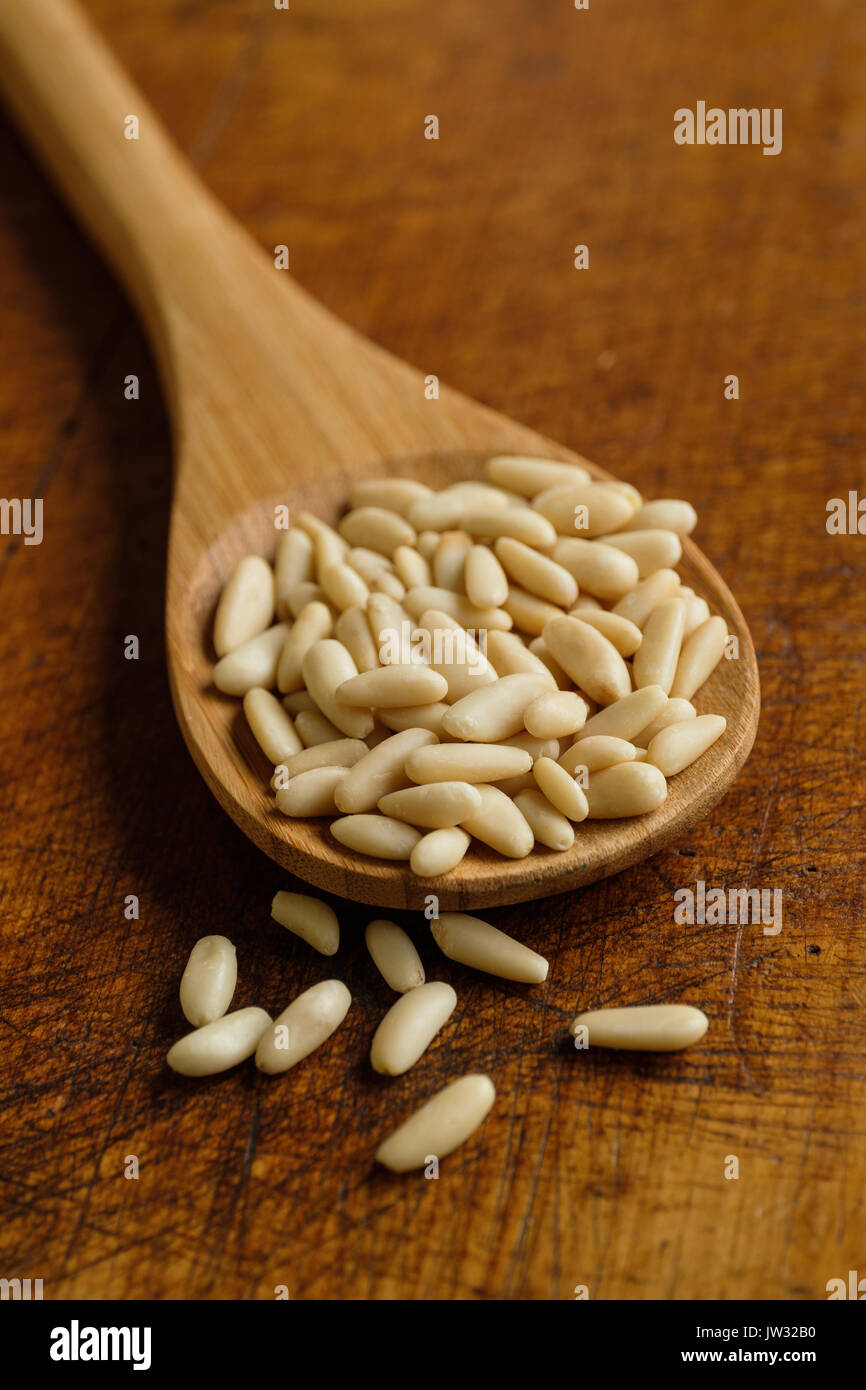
{"x": 275, "y": 401}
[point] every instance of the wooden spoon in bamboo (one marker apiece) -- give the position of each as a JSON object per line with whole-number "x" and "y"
{"x": 275, "y": 401}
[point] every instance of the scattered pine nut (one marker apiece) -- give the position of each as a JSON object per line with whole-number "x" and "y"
{"x": 445, "y": 1122}
{"x": 219, "y": 1045}
{"x": 643, "y": 1028}
{"x": 472, "y": 941}
{"x": 394, "y": 954}
{"x": 313, "y": 920}
{"x": 409, "y": 1027}
{"x": 209, "y": 980}
{"x": 302, "y": 1027}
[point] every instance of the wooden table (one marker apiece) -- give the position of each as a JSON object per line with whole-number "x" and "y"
{"x": 556, "y": 129}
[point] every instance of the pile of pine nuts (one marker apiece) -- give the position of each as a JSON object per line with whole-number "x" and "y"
{"x": 499, "y": 660}
{"x": 220, "y": 1040}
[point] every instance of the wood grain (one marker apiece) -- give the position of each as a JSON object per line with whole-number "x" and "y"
{"x": 456, "y": 256}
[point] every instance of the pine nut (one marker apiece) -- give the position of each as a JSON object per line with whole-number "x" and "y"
{"x": 655, "y": 661}
{"x": 246, "y": 605}
{"x": 442, "y": 512}
{"x": 509, "y": 657}
{"x": 415, "y": 717}
{"x": 353, "y": 630}
{"x": 560, "y": 789}
{"x": 426, "y": 543}
{"x": 409, "y": 1027}
{"x": 697, "y": 611}
{"x": 439, "y": 852}
{"x": 530, "y": 613}
{"x": 536, "y": 573}
{"x": 467, "y": 762}
{"x": 219, "y": 1045}
{"x": 555, "y": 714}
{"x": 495, "y": 712}
{"x": 393, "y": 686}
{"x": 386, "y": 583}
{"x": 307, "y": 1023}
{"x": 670, "y": 514}
{"x": 643, "y": 1028}
{"x": 699, "y": 657}
{"x": 539, "y": 648}
{"x": 455, "y": 655}
{"x": 313, "y": 728}
{"x": 377, "y": 529}
{"x": 340, "y": 752}
{"x": 521, "y": 523}
{"x": 325, "y": 667}
{"x": 377, "y": 835}
{"x": 313, "y": 920}
{"x": 343, "y": 586}
{"x": 549, "y": 826}
{"x": 394, "y": 954}
{"x": 439, "y": 1127}
{"x": 679, "y": 745}
{"x": 411, "y": 567}
{"x": 648, "y": 594}
{"x": 434, "y": 806}
{"x": 477, "y": 495}
{"x": 601, "y": 750}
{"x": 619, "y": 631}
{"x": 652, "y": 550}
{"x": 209, "y": 980}
{"x": 328, "y": 549}
{"x": 380, "y": 771}
{"x": 586, "y": 601}
{"x": 628, "y": 716}
{"x": 369, "y": 564}
{"x": 302, "y": 595}
{"x": 293, "y": 565}
{"x": 500, "y": 824}
{"x": 589, "y": 658}
{"x": 311, "y": 793}
{"x": 529, "y": 476}
{"x": 252, "y": 663}
{"x": 388, "y": 494}
{"x": 536, "y": 748}
{"x": 601, "y": 569}
{"x": 271, "y": 726}
{"x": 385, "y": 616}
{"x": 606, "y": 509}
{"x": 313, "y": 624}
{"x": 674, "y": 712}
{"x": 626, "y": 789}
{"x": 296, "y": 702}
{"x": 425, "y": 596}
{"x": 449, "y": 560}
{"x": 472, "y": 941}
{"x": 485, "y": 580}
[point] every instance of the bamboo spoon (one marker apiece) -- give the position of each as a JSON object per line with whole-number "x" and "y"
{"x": 275, "y": 401}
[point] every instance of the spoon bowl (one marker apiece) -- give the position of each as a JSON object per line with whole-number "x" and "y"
{"x": 238, "y": 772}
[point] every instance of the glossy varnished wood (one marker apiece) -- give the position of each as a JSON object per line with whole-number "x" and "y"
{"x": 607, "y": 1171}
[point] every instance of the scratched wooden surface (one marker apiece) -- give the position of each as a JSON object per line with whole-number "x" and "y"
{"x": 604, "y": 1171}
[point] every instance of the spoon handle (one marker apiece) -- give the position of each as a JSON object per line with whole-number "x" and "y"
{"x": 133, "y": 190}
